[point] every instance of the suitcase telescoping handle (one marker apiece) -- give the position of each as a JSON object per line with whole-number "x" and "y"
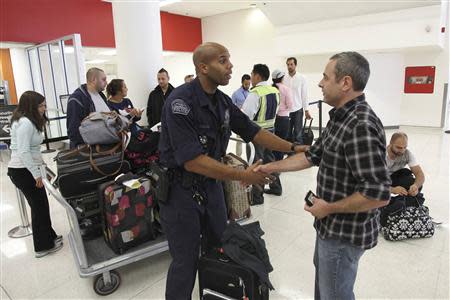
{"x": 310, "y": 122}
{"x": 216, "y": 295}
{"x": 252, "y": 149}
{"x": 97, "y": 180}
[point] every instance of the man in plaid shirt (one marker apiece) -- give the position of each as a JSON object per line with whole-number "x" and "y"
{"x": 352, "y": 181}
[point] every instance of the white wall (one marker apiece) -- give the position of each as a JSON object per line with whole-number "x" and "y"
{"x": 251, "y": 38}
{"x": 426, "y": 109}
{"x": 382, "y": 91}
{"x": 248, "y": 35}
{"x": 178, "y": 64}
{"x": 21, "y": 70}
{"x": 384, "y": 88}
{"x": 384, "y": 31}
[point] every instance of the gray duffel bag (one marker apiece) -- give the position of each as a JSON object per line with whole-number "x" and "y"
{"x": 103, "y": 128}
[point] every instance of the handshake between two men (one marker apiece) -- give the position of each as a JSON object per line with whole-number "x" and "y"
{"x": 260, "y": 174}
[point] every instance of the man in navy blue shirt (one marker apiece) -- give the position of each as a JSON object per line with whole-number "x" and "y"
{"x": 241, "y": 93}
{"x": 197, "y": 120}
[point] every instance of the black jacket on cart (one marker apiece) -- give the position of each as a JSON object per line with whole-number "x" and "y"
{"x": 155, "y": 104}
{"x": 244, "y": 245}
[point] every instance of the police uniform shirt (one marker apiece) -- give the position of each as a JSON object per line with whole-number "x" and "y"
{"x": 192, "y": 125}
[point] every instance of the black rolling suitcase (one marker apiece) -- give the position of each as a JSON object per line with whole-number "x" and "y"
{"x": 86, "y": 205}
{"x": 78, "y": 181}
{"x": 78, "y": 170}
{"x": 307, "y": 133}
{"x": 87, "y": 209}
{"x": 221, "y": 278}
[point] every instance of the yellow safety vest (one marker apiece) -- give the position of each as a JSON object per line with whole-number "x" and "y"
{"x": 269, "y": 100}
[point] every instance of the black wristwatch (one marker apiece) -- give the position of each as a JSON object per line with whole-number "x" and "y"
{"x": 293, "y": 146}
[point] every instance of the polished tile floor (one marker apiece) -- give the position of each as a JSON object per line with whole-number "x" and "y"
{"x": 417, "y": 269}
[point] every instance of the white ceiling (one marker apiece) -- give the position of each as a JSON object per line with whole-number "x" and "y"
{"x": 201, "y": 9}
{"x": 282, "y": 12}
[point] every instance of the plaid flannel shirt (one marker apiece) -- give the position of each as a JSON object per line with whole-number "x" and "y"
{"x": 351, "y": 155}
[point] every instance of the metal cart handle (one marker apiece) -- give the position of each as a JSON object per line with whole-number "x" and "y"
{"x": 73, "y": 220}
{"x": 252, "y": 148}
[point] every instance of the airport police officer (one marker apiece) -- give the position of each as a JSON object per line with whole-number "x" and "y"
{"x": 197, "y": 121}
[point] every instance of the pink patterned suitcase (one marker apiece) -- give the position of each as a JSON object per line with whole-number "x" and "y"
{"x": 127, "y": 215}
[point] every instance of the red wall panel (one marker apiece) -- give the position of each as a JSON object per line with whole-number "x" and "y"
{"x": 180, "y": 33}
{"x": 420, "y": 80}
{"x": 37, "y": 21}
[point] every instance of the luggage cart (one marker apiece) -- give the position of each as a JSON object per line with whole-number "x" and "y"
{"x": 94, "y": 257}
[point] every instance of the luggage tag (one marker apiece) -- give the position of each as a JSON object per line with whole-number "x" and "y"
{"x": 127, "y": 236}
{"x": 132, "y": 184}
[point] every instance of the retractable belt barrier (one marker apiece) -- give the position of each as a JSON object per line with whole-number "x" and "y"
{"x": 319, "y": 105}
{"x": 47, "y": 141}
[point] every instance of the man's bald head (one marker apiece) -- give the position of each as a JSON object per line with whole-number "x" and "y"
{"x": 398, "y": 135}
{"x": 93, "y": 73}
{"x": 206, "y": 52}
{"x": 96, "y": 79}
{"x": 212, "y": 66}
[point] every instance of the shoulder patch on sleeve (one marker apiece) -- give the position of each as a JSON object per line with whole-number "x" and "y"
{"x": 180, "y": 107}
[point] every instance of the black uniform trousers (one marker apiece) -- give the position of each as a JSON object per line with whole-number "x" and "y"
{"x": 184, "y": 220}
{"x": 266, "y": 156}
{"x": 43, "y": 233}
{"x": 282, "y": 131}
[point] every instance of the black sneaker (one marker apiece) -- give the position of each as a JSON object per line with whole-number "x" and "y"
{"x": 273, "y": 192}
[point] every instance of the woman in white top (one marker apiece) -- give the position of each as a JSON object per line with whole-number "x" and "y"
{"x": 27, "y": 125}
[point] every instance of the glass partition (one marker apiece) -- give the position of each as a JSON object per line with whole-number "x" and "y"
{"x": 57, "y": 69}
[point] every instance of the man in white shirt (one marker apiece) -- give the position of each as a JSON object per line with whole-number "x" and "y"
{"x": 297, "y": 83}
{"x": 84, "y": 100}
{"x": 397, "y": 157}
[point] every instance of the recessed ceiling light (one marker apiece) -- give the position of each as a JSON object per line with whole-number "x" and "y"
{"x": 96, "y": 61}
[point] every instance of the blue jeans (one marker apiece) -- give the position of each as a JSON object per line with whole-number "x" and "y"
{"x": 336, "y": 265}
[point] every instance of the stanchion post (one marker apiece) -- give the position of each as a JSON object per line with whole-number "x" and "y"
{"x": 320, "y": 117}
{"x": 47, "y": 144}
{"x": 24, "y": 229}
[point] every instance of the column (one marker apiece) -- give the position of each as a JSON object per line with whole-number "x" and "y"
{"x": 137, "y": 31}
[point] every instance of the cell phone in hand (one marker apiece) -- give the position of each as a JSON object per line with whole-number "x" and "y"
{"x": 309, "y": 198}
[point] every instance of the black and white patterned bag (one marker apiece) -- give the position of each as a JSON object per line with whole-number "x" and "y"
{"x": 409, "y": 223}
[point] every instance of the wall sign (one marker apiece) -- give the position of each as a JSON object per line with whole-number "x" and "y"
{"x": 6, "y": 112}
{"x": 419, "y": 80}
